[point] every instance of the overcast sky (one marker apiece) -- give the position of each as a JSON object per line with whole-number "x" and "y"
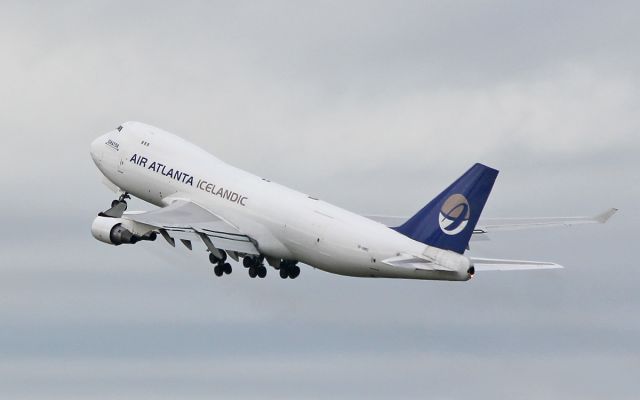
{"x": 374, "y": 106}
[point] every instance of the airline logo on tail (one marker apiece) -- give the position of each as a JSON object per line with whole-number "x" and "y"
{"x": 454, "y": 214}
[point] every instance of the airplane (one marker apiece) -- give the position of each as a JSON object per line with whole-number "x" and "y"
{"x": 235, "y": 214}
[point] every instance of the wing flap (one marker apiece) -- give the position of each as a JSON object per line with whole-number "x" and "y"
{"x": 178, "y": 213}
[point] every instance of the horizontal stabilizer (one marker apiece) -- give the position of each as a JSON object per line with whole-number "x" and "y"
{"x": 496, "y": 264}
{"x": 412, "y": 262}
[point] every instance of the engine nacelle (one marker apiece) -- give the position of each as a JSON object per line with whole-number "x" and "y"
{"x": 117, "y": 231}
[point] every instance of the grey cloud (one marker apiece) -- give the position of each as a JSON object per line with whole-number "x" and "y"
{"x": 440, "y": 376}
{"x": 375, "y": 106}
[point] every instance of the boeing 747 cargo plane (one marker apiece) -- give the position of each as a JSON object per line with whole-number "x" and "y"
{"x": 233, "y": 214}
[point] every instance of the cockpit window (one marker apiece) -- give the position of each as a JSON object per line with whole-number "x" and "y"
{"x": 119, "y": 128}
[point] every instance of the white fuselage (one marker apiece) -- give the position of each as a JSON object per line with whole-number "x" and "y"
{"x": 159, "y": 167}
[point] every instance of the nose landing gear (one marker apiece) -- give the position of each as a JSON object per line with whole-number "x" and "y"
{"x": 118, "y": 207}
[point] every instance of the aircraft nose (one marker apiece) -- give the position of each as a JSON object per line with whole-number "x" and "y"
{"x": 96, "y": 149}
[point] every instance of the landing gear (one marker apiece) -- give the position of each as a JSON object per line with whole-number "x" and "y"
{"x": 221, "y": 267}
{"x": 255, "y": 266}
{"x": 124, "y": 196}
{"x": 214, "y": 260}
{"x": 122, "y": 199}
{"x": 260, "y": 271}
{"x": 289, "y": 269}
{"x": 118, "y": 207}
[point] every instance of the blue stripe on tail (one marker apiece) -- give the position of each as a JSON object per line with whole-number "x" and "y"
{"x": 447, "y": 222}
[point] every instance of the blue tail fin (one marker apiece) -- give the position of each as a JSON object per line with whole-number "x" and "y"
{"x": 447, "y": 222}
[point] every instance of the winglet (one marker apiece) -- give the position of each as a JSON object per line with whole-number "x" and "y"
{"x": 604, "y": 217}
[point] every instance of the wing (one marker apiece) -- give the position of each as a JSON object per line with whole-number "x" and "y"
{"x": 388, "y": 220}
{"x": 187, "y": 221}
{"x": 496, "y": 264}
{"x": 513, "y": 224}
{"x": 488, "y": 225}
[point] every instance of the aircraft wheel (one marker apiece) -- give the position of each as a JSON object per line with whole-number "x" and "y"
{"x": 262, "y": 271}
{"x": 283, "y": 273}
{"x": 247, "y": 262}
{"x": 294, "y": 272}
{"x": 227, "y": 268}
{"x": 218, "y": 270}
{"x": 224, "y": 255}
{"x": 253, "y": 272}
{"x": 213, "y": 259}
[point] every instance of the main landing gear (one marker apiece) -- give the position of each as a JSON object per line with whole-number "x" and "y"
{"x": 289, "y": 269}
{"x": 255, "y": 266}
{"x": 221, "y": 266}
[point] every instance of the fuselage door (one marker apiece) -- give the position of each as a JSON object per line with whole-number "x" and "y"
{"x": 318, "y": 228}
{"x": 121, "y": 162}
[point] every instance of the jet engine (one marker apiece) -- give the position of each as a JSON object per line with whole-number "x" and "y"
{"x": 117, "y": 231}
